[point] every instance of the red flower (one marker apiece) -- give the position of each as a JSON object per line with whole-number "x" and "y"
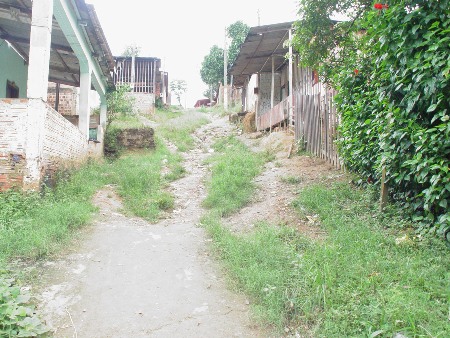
{"x": 356, "y": 71}
{"x": 380, "y": 6}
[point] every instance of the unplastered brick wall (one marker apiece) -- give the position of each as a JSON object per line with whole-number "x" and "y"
{"x": 265, "y": 90}
{"x": 64, "y": 144}
{"x": 13, "y": 125}
{"x": 68, "y": 99}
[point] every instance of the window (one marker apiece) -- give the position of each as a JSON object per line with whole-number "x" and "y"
{"x": 12, "y": 91}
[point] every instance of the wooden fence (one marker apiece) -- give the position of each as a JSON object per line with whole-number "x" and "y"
{"x": 315, "y": 118}
{"x": 278, "y": 114}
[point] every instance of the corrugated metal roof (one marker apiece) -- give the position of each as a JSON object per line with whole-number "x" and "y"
{"x": 15, "y": 27}
{"x": 261, "y": 44}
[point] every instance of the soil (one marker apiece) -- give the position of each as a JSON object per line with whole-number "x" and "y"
{"x": 125, "y": 277}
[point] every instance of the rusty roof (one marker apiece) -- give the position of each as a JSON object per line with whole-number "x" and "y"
{"x": 15, "y": 27}
{"x": 256, "y": 52}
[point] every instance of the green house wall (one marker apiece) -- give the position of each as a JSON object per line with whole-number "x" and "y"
{"x": 13, "y": 69}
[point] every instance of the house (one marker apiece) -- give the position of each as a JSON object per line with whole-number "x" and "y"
{"x": 282, "y": 93}
{"x": 146, "y": 80}
{"x": 42, "y": 41}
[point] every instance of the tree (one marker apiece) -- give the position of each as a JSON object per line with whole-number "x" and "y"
{"x": 211, "y": 71}
{"x": 212, "y": 68}
{"x": 237, "y": 32}
{"x": 132, "y": 50}
{"x": 178, "y": 87}
{"x": 323, "y": 43}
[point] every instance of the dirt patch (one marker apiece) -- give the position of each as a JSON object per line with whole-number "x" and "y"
{"x": 279, "y": 185}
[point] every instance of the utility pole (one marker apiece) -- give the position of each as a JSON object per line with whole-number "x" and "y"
{"x": 225, "y": 73}
{"x": 259, "y": 17}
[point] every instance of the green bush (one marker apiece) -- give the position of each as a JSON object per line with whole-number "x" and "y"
{"x": 113, "y": 149}
{"x": 395, "y": 111}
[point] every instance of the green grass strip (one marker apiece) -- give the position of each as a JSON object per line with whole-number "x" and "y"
{"x": 233, "y": 169}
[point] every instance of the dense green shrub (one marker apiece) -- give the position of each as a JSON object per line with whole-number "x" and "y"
{"x": 394, "y": 101}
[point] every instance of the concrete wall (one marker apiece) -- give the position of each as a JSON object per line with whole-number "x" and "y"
{"x": 12, "y": 68}
{"x": 63, "y": 144}
{"x": 251, "y": 97}
{"x": 265, "y": 90}
{"x": 143, "y": 103}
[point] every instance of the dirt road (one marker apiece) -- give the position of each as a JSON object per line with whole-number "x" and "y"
{"x": 129, "y": 278}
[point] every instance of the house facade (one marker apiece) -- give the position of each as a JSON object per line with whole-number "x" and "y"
{"x": 44, "y": 41}
{"x": 284, "y": 94}
{"x": 147, "y": 82}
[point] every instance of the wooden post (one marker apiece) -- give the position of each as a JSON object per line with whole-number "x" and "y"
{"x": 225, "y": 73}
{"x": 291, "y": 79}
{"x": 384, "y": 191}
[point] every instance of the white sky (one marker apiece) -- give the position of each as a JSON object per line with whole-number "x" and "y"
{"x": 181, "y": 33}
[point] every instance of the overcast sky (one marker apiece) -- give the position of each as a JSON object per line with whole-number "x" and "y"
{"x": 181, "y": 33}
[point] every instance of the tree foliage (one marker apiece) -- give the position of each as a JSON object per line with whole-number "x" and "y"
{"x": 132, "y": 50}
{"x": 178, "y": 87}
{"x": 211, "y": 71}
{"x": 212, "y": 67}
{"x": 390, "y": 67}
{"x": 237, "y": 32}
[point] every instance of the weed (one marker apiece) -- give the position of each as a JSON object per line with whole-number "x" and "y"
{"x": 294, "y": 180}
{"x": 369, "y": 277}
{"x": 17, "y": 316}
{"x": 369, "y": 280}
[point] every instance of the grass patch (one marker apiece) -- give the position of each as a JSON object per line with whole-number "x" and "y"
{"x": 140, "y": 183}
{"x": 233, "y": 169}
{"x": 361, "y": 280}
{"x": 164, "y": 115}
{"x": 32, "y": 225}
{"x": 370, "y": 277}
{"x": 127, "y": 121}
{"x": 179, "y": 130}
{"x": 263, "y": 264}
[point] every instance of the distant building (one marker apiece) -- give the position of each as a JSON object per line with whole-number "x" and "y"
{"x": 148, "y": 84}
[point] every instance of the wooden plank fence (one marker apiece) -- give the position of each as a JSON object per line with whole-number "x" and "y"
{"x": 278, "y": 114}
{"x": 315, "y": 117}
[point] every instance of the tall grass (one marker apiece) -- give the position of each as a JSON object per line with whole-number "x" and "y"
{"x": 233, "y": 170}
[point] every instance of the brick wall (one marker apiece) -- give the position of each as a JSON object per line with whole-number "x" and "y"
{"x": 63, "y": 144}
{"x": 13, "y": 124}
{"x": 68, "y": 99}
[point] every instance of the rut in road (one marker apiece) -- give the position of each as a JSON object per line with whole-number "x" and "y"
{"x": 129, "y": 278}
